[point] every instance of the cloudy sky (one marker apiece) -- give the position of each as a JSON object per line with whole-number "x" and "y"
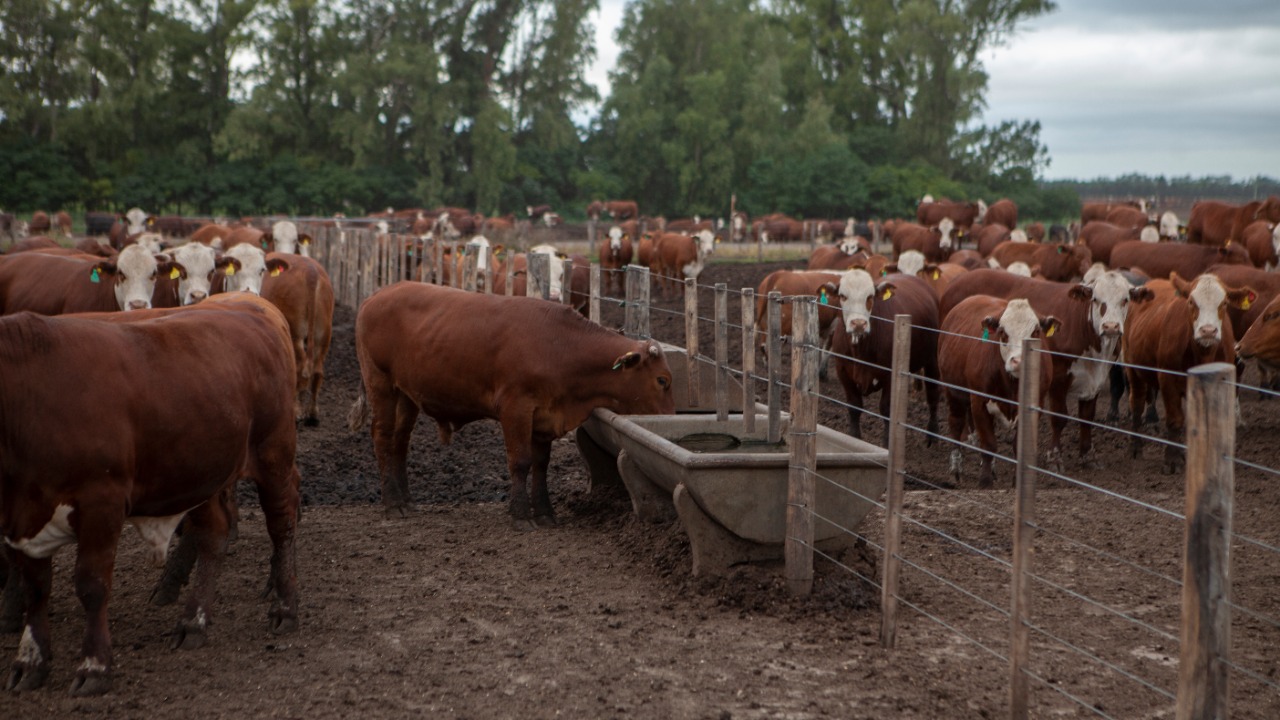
{"x": 1158, "y": 87}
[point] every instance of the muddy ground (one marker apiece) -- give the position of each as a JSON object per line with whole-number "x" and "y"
{"x": 449, "y": 613}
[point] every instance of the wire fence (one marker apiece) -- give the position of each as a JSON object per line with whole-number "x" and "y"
{"x": 1121, "y": 559}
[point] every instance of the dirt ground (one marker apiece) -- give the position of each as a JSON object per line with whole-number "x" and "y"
{"x": 450, "y": 613}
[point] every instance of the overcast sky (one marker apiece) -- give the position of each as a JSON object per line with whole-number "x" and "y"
{"x": 1158, "y": 87}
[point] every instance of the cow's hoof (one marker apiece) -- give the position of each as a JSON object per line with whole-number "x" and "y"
{"x": 311, "y": 421}
{"x": 545, "y": 521}
{"x": 523, "y": 525}
{"x": 1090, "y": 462}
{"x": 281, "y": 622}
{"x": 89, "y": 683}
{"x": 165, "y": 593}
{"x": 26, "y": 676}
{"x": 398, "y": 512}
{"x": 188, "y": 635}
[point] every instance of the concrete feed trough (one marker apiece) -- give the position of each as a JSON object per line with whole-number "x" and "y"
{"x": 732, "y": 500}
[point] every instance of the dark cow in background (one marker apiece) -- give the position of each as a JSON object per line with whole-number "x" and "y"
{"x": 1002, "y": 212}
{"x": 536, "y": 368}
{"x": 536, "y": 212}
{"x": 127, "y": 446}
{"x": 865, "y": 331}
{"x": 1214, "y": 223}
{"x": 1184, "y": 324}
{"x": 1160, "y": 260}
{"x": 840, "y": 256}
{"x": 1127, "y": 217}
{"x": 99, "y": 223}
{"x": 981, "y": 350}
{"x": 1098, "y": 210}
{"x": 39, "y": 223}
{"x": 988, "y": 235}
{"x": 1035, "y": 232}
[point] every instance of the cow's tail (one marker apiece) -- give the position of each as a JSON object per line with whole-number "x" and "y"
{"x": 358, "y": 415}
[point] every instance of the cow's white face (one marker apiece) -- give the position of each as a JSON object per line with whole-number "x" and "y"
{"x": 849, "y": 245}
{"x": 149, "y": 241}
{"x": 1275, "y": 239}
{"x": 251, "y": 271}
{"x": 1149, "y": 234}
{"x": 1169, "y": 225}
{"x": 615, "y": 237}
{"x": 1206, "y": 300}
{"x": 946, "y": 227}
{"x": 857, "y": 295}
{"x": 982, "y": 211}
{"x": 557, "y": 269}
{"x": 1094, "y": 272}
{"x": 199, "y": 261}
{"x": 911, "y": 262}
{"x": 286, "y": 237}
{"x": 135, "y": 277}
{"x": 706, "y": 241}
{"x": 737, "y": 223}
{"x": 1017, "y": 324}
{"x": 480, "y": 246}
{"x": 1110, "y": 304}
{"x": 1019, "y": 268}
{"x": 137, "y": 220}
{"x": 1018, "y": 235}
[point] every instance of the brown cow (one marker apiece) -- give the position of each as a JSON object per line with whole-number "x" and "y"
{"x": 37, "y": 242}
{"x": 1160, "y": 260}
{"x": 935, "y": 242}
{"x": 1262, "y": 239}
{"x": 1262, "y": 342}
{"x": 940, "y": 276}
{"x": 137, "y": 444}
{"x": 622, "y": 209}
{"x": 1091, "y": 211}
{"x": 780, "y": 228}
{"x": 537, "y": 369}
{"x": 304, "y": 295}
{"x": 680, "y": 257}
{"x": 59, "y": 284}
{"x": 1102, "y": 237}
{"x": 1035, "y": 232}
{"x": 249, "y": 235}
{"x": 62, "y": 223}
{"x": 536, "y": 212}
{"x": 969, "y": 259}
{"x": 1214, "y": 223}
{"x": 1184, "y": 325}
{"x": 1062, "y": 263}
{"x": 981, "y": 350}
{"x": 795, "y": 283}
{"x": 1092, "y": 320}
{"x": 212, "y": 234}
{"x": 962, "y": 214}
{"x": 838, "y": 256}
{"x": 988, "y": 235}
{"x": 1265, "y": 284}
{"x": 39, "y": 223}
{"x": 99, "y": 223}
{"x": 862, "y": 341}
{"x": 615, "y": 253}
{"x": 1002, "y": 212}
{"x": 1127, "y": 217}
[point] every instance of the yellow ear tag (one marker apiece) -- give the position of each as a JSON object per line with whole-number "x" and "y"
{"x": 174, "y": 274}
{"x": 1052, "y": 329}
{"x": 887, "y": 294}
{"x": 937, "y": 274}
{"x": 275, "y": 271}
{"x": 231, "y": 270}
{"x": 1244, "y": 305}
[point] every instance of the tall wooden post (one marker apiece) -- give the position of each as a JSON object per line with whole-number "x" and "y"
{"x": 593, "y": 306}
{"x": 775, "y": 365}
{"x": 802, "y": 442}
{"x": 1203, "y": 674}
{"x": 636, "y": 313}
{"x": 566, "y": 282}
{"x": 538, "y": 282}
{"x": 899, "y": 392}
{"x": 691, "y": 340}
{"x": 748, "y": 361}
{"x": 722, "y": 352}
{"x": 1024, "y": 517}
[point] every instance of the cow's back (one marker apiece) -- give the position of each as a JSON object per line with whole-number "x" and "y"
{"x": 53, "y": 284}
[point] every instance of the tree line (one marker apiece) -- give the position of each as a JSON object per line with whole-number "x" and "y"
{"x": 817, "y": 108}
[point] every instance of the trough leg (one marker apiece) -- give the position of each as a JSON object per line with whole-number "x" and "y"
{"x": 602, "y": 466}
{"x": 651, "y": 502}
{"x": 713, "y": 548}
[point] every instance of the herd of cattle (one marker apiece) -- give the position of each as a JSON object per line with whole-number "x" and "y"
{"x": 96, "y": 404}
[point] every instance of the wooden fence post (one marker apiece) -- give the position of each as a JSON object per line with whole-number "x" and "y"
{"x": 566, "y": 282}
{"x": 722, "y": 352}
{"x": 775, "y": 365}
{"x": 801, "y": 479}
{"x": 488, "y": 270}
{"x": 691, "y": 340}
{"x": 748, "y": 360}
{"x": 593, "y": 306}
{"x": 636, "y": 313}
{"x": 1024, "y": 517}
{"x": 538, "y": 280}
{"x": 1203, "y": 672}
{"x": 898, "y": 395}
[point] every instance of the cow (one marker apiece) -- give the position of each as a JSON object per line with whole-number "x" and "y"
{"x": 1092, "y": 320}
{"x": 536, "y": 368}
{"x": 980, "y": 358}
{"x": 1262, "y": 240}
{"x": 520, "y": 271}
{"x": 595, "y": 209}
{"x": 739, "y": 226}
{"x": 212, "y": 234}
{"x": 249, "y": 235}
{"x": 1262, "y": 342}
{"x": 1102, "y": 237}
{"x": 91, "y": 246}
{"x": 615, "y": 253}
{"x": 681, "y": 256}
{"x": 39, "y": 223}
{"x": 969, "y": 259}
{"x": 136, "y": 219}
{"x": 1019, "y": 268}
{"x": 199, "y": 263}
{"x": 1161, "y": 260}
{"x": 1184, "y": 325}
{"x": 12, "y": 227}
{"x": 1127, "y": 217}
{"x": 863, "y": 339}
{"x": 988, "y": 235}
{"x": 940, "y": 276}
{"x": 962, "y": 214}
{"x": 1267, "y": 286}
{"x": 99, "y": 223}
{"x": 59, "y": 284}
{"x": 1213, "y": 223}
{"x": 536, "y": 212}
{"x": 1002, "y": 212}
{"x": 62, "y": 223}
{"x": 935, "y": 242}
{"x": 1098, "y": 210}
{"x": 838, "y": 256}
{"x": 622, "y": 209}
{"x": 174, "y": 226}
{"x": 780, "y": 228}
{"x": 35, "y": 242}
{"x": 248, "y": 269}
{"x": 790, "y": 284}
{"x": 289, "y": 241}
{"x": 1169, "y": 227}
{"x": 301, "y": 289}
{"x": 1035, "y": 232}
{"x": 1061, "y": 263}
{"x": 910, "y": 262}
{"x": 127, "y": 447}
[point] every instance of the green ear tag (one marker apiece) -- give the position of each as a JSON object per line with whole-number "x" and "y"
{"x": 822, "y": 296}
{"x": 410, "y": 252}
{"x": 93, "y": 276}
{"x": 986, "y": 333}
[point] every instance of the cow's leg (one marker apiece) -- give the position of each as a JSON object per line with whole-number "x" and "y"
{"x": 393, "y": 416}
{"x": 99, "y": 534}
{"x": 1137, "y": 406}
{"x": 543, "y": 515}
{"x": 957, "y": 423}
{"x": 1118, "y": 385}
{"x": 984, "y": 426}
{"x": 931, "y": 390}
{"x": 314, "y": 381}
{"x": 1087, "y": 410}
{"x": 303, "y": 360}
{"x": 272, "y": 468}
{"x": 11, "y": 598}
{"x": 31, "y": 667}
{"x": 853, "y": 395}
{"x": 177, "y": 568}
{"x": 517, "y": 436}
{"x": 1173, "y": 388}
{"x": 207, "y": 528}
{"x": 1057, "y": 423}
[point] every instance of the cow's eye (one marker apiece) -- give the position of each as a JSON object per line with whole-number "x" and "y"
{"x": 663, "y": 382}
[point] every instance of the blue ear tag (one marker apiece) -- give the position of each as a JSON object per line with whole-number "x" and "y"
{"x": 822, "y": 296}
{"x": 986, "y": 333}
{"x": 93, "y": 276}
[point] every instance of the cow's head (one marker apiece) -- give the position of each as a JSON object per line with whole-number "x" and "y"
{"x": 648, "y": 382}
{"x": 1262, "y": 340}
{"x": 946, "y": 230}
{"x": 1207, "y": 300}
{"x": 1275, "y": 240}
{"x": 706, "y": 241}
{"x": 1109, "y": 294}
{"x": 479, "y": 245}
{"x": 556, "y": 261}
{"x": 1019, "y": 268}
{"x": 134, "y": 273}
{"x": 615, "y": 238}
{"x": 285, "y": 234}
{"x": 910, "y": 262}
{"x": 200, "y": 261}
{"x": 858, "y": 294}
{"x": 1018, "y": 236}
{"x": 1149, "y": 234}
{"x": 246, "y": 266}
{"x": 1169, "y": 225}
{"x": 1014, "y": 327}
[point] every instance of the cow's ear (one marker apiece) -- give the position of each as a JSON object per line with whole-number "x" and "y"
{"x": 228, "y": 265}
{"x": 930, "y": 272}
{"x": 1063, "y": 249}
{"x": 826, "y": 291}
{"x": 1141, "y": 294}
{"x": 885, "y": 290}
{"x": 275, "y": 266}
{"x": 100, "y": 269}
{"x": 1050, "y": 325}
{"x": 304, "y": 239}
{"x": 1180, "y": 286}
{"x": 169, "y": 267}
{"x": 988, "y": 325}
{"x": 1080, "y": 292}
{"x": 627, "y": 361}
{"x": 1242, "y": 298}
{"x": 891, "y": 268}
